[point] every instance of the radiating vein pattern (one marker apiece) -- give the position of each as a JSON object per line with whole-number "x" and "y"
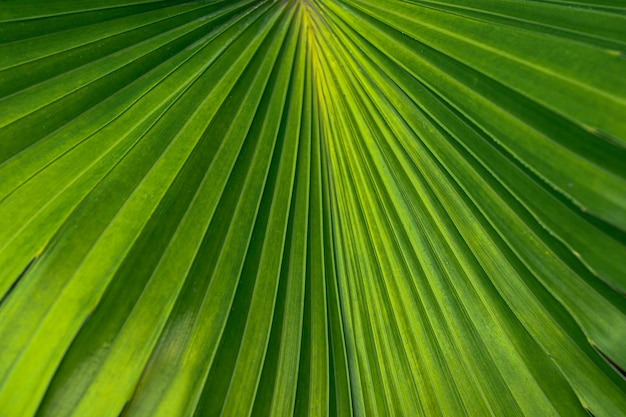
{"x": 312, "y": 208}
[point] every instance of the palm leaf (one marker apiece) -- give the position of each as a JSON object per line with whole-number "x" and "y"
{"x": 312, "y": 207}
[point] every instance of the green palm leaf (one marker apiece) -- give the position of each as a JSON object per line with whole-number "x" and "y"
{"x": 312, "y": 207}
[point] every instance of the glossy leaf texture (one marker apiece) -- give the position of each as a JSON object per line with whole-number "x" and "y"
{"x": 312, "y": 208}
